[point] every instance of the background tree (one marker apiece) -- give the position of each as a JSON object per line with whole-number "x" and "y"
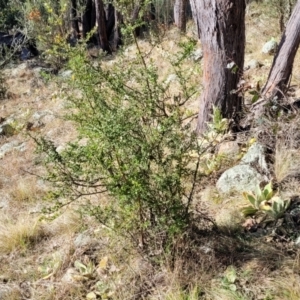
{"x": 281, "y": 71}
{"x": 88, "y": 18}
{"x": 74, "y": 19}
{"x": 142, "y": 15}
{"x": 180, "y": 14}
{"x": 101, "y": 32}
{"x": 117, "y": 37}
{"x": 221, "y": 28}
{"x": 194, "y": 14}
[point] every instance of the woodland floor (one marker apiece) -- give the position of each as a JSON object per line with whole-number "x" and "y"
{"x": 68, "y": 255}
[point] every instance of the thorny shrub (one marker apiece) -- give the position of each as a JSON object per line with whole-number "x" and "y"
{"x": 134, "y": 142}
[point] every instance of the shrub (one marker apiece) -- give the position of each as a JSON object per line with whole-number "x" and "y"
{"x": 10, "y": 14}
{"x": 137, "y": 136}
{"x": 48, "y": 22}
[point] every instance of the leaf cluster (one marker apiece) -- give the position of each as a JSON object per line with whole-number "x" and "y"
{"x": 265, "y": 201}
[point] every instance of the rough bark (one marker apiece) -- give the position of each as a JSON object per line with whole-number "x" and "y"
{"x": 221, "y": 26}
{"x": 180, "y": 11}
{"x": 194, "y": 14}
{"x": 101, "y": 32}
{"x": 110, "y": 20}
{"x": 135, "y": 17}
{"x": 117, "y": 38}
{"x": 88, "y": 18}
{"x": 113, "y": 22}
{"x": 281, "y": 71}
{"x": 74, "y": 20}
{"x": 148, "y": 16}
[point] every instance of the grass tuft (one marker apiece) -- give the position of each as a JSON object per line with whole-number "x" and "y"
{"x": 19, "y": 235}
{"x": 287, "y": 162}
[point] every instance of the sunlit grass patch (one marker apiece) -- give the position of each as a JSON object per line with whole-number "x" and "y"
{"x": 67, "y": 223}
{"x": 287, "y": 162}
{"x": 19, "y": 235}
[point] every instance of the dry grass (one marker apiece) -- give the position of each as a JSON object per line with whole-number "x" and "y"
{"x": 176, "y": 293}
{"x": 287, "y": 153}
{"x": 286, "y": 287}
{"x": 287, "y": 162}
{"x": 66, "y": 224}
{"x": 19, "y": 235}
{"x": 26, "y": 190}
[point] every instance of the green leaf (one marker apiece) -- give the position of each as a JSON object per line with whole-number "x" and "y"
{"x": 249, "y": 211}
{"x": 255, "y": 96}
{"x": 250, "y": 198}
{"x": 230, "y": 274}
{"x": 269, "y": 196}
{"x": 232, "y": 287}
{"x": 258, "y": 192}
{"x": 268, "y": 191}
{"x": 287, "y": 204}
{"x": 265, "y": 206}
{"x": 80, "y": 266}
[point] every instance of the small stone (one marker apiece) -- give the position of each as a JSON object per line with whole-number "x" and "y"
{"x": 255, "y": 156}
{"x": 16, "y": 72}
{"x": 91, "y": 296}
{"x": 9, "y": 147}
{"x": 253, "y": 64}
{"x": 7, "y": 130}
{"x": 229, "y": 148}
{"x": 40, "y": 114}
{"x": 34, "y": 126}
{"x": 197, "y": 55}
{"x": 70, "y": 275}
{"x": 247, "y": 175}
{"x": 270, "y": 47}
{"x": 171, "y": 78}
{"x": 66, "y": 74}
{"x": 60, "y": 149}
{"x": 82, "y": 240}
{"x": 297, "y": 242}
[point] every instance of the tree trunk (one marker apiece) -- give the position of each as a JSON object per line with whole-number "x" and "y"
{"x": 117, "y": 39}
{"x": 101, "y": 32}
{"x": 135, "y": 17}
{"x": 88, "y": 18}
{"x": 221, "y": 24}
{"x": 281, "y": 71}
{"x": 75, "y": 25}
{"x": 180, "y": 8}
{"x": 148, "y": 16}
{"x": 110, "y": 20}
{"x": 194, "y": 13}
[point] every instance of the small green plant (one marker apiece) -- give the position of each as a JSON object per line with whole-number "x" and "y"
{"x": 264, "y": 201}
{"x": 258, "y": 200}
{"x": 216, "y": 129}
{"x": 229, "y": 279}
{"x": 276, "y": 207}
{"x": 213, "y": 163}
{"x": 86, "y": 270}
{"x": 50, "y": 266}
{"x": 218, "y": 123}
